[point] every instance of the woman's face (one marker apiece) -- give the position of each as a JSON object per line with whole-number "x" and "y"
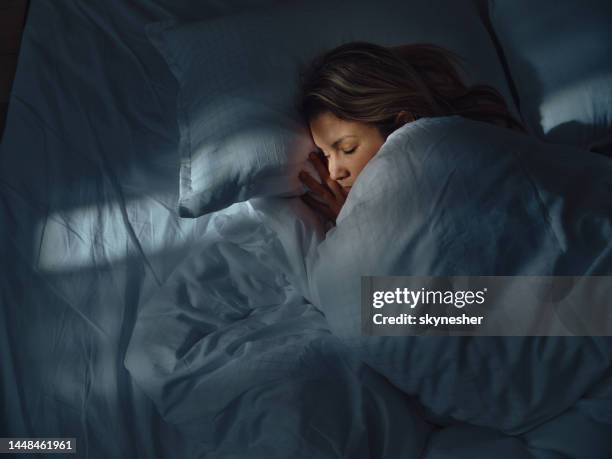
{"x": 347, "y": 145}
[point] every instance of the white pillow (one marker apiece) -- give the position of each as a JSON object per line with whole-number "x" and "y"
{"x": 560, "y": 57}
{"x": 240, "y": 134}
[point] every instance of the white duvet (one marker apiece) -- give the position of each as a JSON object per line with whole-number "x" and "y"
{"x": 257, "y": 335}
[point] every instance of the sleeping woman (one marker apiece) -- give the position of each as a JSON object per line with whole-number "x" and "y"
{"x": 355, "y": 95}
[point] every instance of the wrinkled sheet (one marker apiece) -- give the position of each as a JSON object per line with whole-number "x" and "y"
{"x": 231, "y": 351}
{"x": 88, "y": 227}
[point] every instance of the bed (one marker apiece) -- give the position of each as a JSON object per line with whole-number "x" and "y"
{"x": 144, "y": 334}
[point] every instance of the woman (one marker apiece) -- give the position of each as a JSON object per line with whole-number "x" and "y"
{"x": 355, "y": 95}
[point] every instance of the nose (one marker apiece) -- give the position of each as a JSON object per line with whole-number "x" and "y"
{"x": 337, "y": 171}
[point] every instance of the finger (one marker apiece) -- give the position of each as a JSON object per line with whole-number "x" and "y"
{"x": 316, "y": 187}
{"x": 339, "y": 192}
{"x": 319, "y": 206}
{"x": 319, "y": 166}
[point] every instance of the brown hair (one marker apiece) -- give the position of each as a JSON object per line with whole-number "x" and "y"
{"x": 386, "y": 87}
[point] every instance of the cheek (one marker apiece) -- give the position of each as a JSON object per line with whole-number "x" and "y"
{"x": 364, "y": 159}
{"x": 359, "y": 163}
{"x": 371, "y": 152}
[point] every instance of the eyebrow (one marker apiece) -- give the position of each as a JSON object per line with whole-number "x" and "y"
{"x": 337, "y": 142}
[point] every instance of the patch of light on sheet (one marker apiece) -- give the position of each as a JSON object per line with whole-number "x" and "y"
{"x": 102, "y": 235}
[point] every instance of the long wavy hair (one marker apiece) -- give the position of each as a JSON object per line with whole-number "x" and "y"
{"x": 388, "y": 87}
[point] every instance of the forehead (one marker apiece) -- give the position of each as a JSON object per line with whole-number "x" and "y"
{"x": 326, "y": 128}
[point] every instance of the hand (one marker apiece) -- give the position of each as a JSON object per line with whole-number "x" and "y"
{"x": 329, "y": 191}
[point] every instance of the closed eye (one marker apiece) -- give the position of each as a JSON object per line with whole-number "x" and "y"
{"x": 348, "y": 152}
